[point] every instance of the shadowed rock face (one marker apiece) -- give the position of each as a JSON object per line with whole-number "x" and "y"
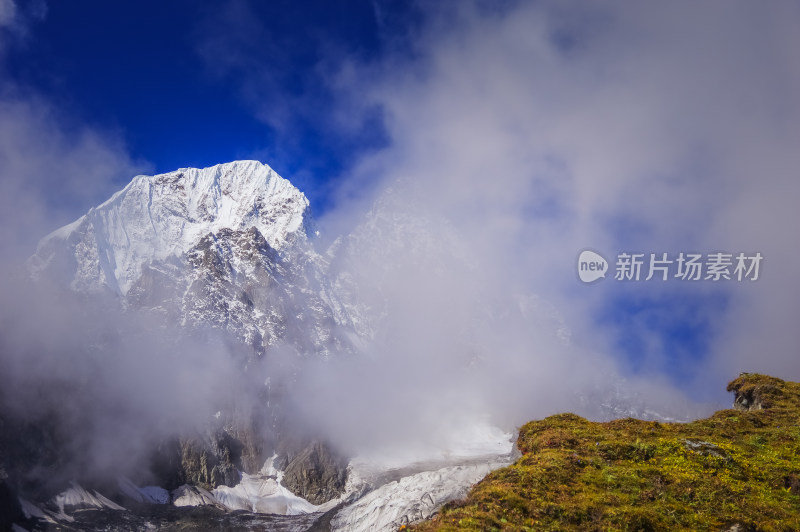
{"x": 209, "y": 460}
{"x": 32, "y": 455}
{"x": 213, "y": 465}
{"x": 10, "y": 511}
{"x": 317, "y": 473}
{"x": 748, "y": 402}
{"x": 751, "y": 392}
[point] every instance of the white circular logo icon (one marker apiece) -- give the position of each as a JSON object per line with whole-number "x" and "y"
{"x": 591, "y": 266}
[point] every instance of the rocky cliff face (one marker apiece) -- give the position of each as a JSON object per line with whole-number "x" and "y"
{"x": 10, "y": 509}
{"x": 317, "y": 473}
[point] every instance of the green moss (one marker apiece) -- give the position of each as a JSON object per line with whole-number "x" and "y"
{"x": 735, "y": 467}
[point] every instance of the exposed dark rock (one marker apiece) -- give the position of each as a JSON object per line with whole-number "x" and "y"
{"x": 211, "y": 464}
{"x": 251, "y": 446}
{"x": 792, "y": 483}
{"x": 10, "y": 511}
{"x": 748, "y": 401}
{"x": 280, "y": 462}
{"x": 752, "y": 394}
{"x": 166, "y": 465}
{"x": 33, "y": 452}
{"x": 318, "y": 474}
{"x": 214, "y": 457}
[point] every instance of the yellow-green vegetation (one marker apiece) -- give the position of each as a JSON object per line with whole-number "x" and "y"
{"x": 737, "y": 470}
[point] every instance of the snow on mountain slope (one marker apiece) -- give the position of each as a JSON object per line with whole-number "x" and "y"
{"x": 155, "y": 217}
{"x": 412, "y": 498}
{"x": 225, "y": 247}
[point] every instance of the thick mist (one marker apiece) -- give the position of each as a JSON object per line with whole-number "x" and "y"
{"x": 105, "y": 387}
{"x": 86, "y": 390}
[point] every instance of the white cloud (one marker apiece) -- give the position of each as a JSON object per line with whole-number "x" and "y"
{"x": 8, "y": 12}
{"x": 52, "y": 169}
{"x": 53, "y": 166}
{"x": 540, "y": 129}
{"x": 15, "y": 20}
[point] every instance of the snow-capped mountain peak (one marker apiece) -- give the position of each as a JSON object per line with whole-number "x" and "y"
{"x": 156, "y": 217}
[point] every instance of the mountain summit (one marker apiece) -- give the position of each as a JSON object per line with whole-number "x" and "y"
{"x": 224, "y": 248}
{"x": 157, "y": 217}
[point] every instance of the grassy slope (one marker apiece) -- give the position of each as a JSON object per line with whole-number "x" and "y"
{"x": 736, "y": 467}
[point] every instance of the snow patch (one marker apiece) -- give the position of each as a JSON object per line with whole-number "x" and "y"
{"x": 193, "y": 496}
{"x": 410, "y": 484}
{"x": 412, "y": 498}
{"x": 78, "y": 496}
{"x": 147, "y": 494}
{"x": 264, "y": 494}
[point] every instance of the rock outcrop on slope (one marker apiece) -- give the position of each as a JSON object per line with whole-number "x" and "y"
{"x": 317, "y": 473}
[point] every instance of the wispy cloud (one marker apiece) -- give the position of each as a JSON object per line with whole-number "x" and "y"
{"x": 15, "y": 20}
{"x": 540, "y": 129}
{"x": 8, "y": 12}
{"x": 53, "y": 165}
{"x": 52, "y": 168}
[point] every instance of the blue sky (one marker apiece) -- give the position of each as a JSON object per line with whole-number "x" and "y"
{"x": 187, "y": 83}
{"x": 538, "y": 128}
